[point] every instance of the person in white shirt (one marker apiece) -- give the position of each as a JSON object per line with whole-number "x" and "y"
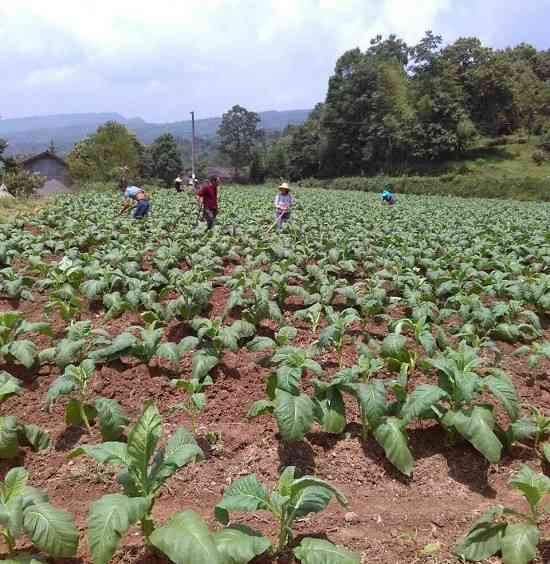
{"x": 283, "y": 203}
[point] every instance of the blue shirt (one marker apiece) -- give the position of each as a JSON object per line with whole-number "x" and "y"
{"x": 132, "y": 192}
{"x": 386, "y": 195}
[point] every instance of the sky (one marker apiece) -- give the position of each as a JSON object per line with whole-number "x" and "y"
{"x": 161, "y": 59}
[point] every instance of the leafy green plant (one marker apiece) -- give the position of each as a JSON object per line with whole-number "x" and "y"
{"x": 13, "y": 432}
{"x": 75, "y": 382}
{"x": 185, "y": 538}
{"x": 292, "y": 498}
{"x": 536, "y": 352}
{"x": 334, "y": 334}
{"x": 312, "y": 314}
{"x": 294, "y": 410}
{"x": 144, "y": 471}
{"x": 513, "y": 534}
{"x": 12, "y": 348}
{"x": 195, "y": 401}
{"x": 15, "y": 285}
{"x": 27, "y": 510}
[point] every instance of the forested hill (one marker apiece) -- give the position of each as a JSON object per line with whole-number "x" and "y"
{"x": 33, "y": 134}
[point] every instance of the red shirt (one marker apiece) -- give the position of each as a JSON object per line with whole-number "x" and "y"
{"x": 209, "y": 195}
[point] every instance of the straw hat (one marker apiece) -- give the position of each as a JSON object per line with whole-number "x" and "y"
{"x": 284, "y": 186}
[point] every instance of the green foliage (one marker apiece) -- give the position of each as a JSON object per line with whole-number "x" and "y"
{"x": 502, "y": 530}
{"x": 292, "y": 498}
{"x": 239, "y": 134}
{"x": 23, "y": 183}
{"x": 145, "y": 469}
{"x": 166, "y": 162}
{"x": 99, "y": 156}
{"x": 27, "y": 510}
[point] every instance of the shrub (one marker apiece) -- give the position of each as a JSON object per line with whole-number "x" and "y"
{"x": 24, "y": 184}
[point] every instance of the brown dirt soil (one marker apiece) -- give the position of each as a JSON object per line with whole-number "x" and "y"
{"x": 390, "y": 518}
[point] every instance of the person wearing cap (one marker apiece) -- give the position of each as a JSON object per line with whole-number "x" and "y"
{"x": 283, "y": 203}
{"x": 137, "y": 196}
{"x": 209, "y": 196}
{"x": 388, "y": 197}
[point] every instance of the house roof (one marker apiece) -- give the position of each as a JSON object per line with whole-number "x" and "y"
{"x": 43, "y": 155}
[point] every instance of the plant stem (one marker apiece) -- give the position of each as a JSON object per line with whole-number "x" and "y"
{"x": 283, "y": 533}
{"x": 85, "y": 417}
{"x": 147, "y": 527}
{"x": 10, "y": 541}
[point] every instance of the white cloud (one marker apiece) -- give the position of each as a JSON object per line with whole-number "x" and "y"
{"x": 207, "y": 53}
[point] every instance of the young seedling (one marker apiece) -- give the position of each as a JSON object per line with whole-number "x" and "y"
{"x": 145, "y": 469}
{"x": 14, "y": 433}
{"x": 334, "y": 334}
{"x": 513, "y": 534}
{"x": 195, "y": 402}
{"x": 81, "y": 410}
{"x": 293, "y": 498}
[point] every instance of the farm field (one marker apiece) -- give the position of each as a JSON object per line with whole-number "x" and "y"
{"x": 396, "y": 354}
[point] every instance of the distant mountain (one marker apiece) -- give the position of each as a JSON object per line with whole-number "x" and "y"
{"x": 33, "y": 134}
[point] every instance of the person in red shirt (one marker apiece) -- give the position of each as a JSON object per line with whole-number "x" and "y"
{"x": 209, "y": 196}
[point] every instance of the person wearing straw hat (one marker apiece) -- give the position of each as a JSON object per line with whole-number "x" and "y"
{"x": 283, "y": 203}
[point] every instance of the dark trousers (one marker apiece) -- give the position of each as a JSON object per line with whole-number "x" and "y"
{"x": 209, "y": 215}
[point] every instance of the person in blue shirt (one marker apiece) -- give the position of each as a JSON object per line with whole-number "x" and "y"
{"x": 137, "y": 196}
{"x": 388, "y": 197}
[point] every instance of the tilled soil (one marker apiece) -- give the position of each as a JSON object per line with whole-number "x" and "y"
{"x": 390, "y": 519}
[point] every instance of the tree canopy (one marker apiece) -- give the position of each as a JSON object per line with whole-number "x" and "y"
{"x": 393, "y": 106}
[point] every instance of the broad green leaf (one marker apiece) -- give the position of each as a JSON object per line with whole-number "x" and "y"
{"x": 311, "y": 481}
{"x": 170, "y": 352}
{"x": 477, "y": 428}
{"x": 395, "y": 347}
{"x": 109, "y": 520}
{"x": 391, "y": 437}
{"x": 73, "y": 413}
{"x": 52, "y": 530}
{"x": 39, "y": 327}
{"x": 334, "y": 412}
{"x": 8, "y": 437}
{"x": 523, "y": 429}
{"x": 60, "y": 386}
{"x": 244, "y": 494}
{"x": 546, "y": 451}
{"x": 68, "y": 352}
{"x": 261, "y": 407}
{"x": 25, "y": 352}
{"x": 294, "y": 414}
{"x": 121, "y": 345}
{"x": 503, "y": 389}
{"x": 143, "y": 439}
{"x": 239, "y": 545}
{"x": 14, "y": 484}
{"x": 203, "y": 364}
{"x": 288, "y": 379}
{"x": 110, "y": 452}
{"x": 320, "y": 551}
{"x": 484, "y": 537}
{"x": 519, "y": 544}
{"x": 8, "y": 386}
{"x": 112, "y": 420}
{"x": 533, "y": 486}
{"x": 420, "y": 400}
{"x": 37, "y": 438}
{"x": 188, "y": 344}
{"x": 261, "y": 344}
{"x": 372, "y": 399}
{"x": 185, "y": 539}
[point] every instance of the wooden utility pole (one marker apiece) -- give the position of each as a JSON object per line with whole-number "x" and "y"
{"x": 193, "y": 145}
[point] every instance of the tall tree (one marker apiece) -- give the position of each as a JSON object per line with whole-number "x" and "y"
{"x": 165, "y": 158}
{"x": 100, "y": 156}
{"x": 239, "y": 136}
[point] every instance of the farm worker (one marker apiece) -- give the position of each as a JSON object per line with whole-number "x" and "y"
{"x": 208, "y": 194}
{"x": 123, "y": 182}
{"x": 388, "y": 197}
{"x": 177, "y": 183}
{"x": 141, "y": 199}
{"x": 283, "y": 202}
